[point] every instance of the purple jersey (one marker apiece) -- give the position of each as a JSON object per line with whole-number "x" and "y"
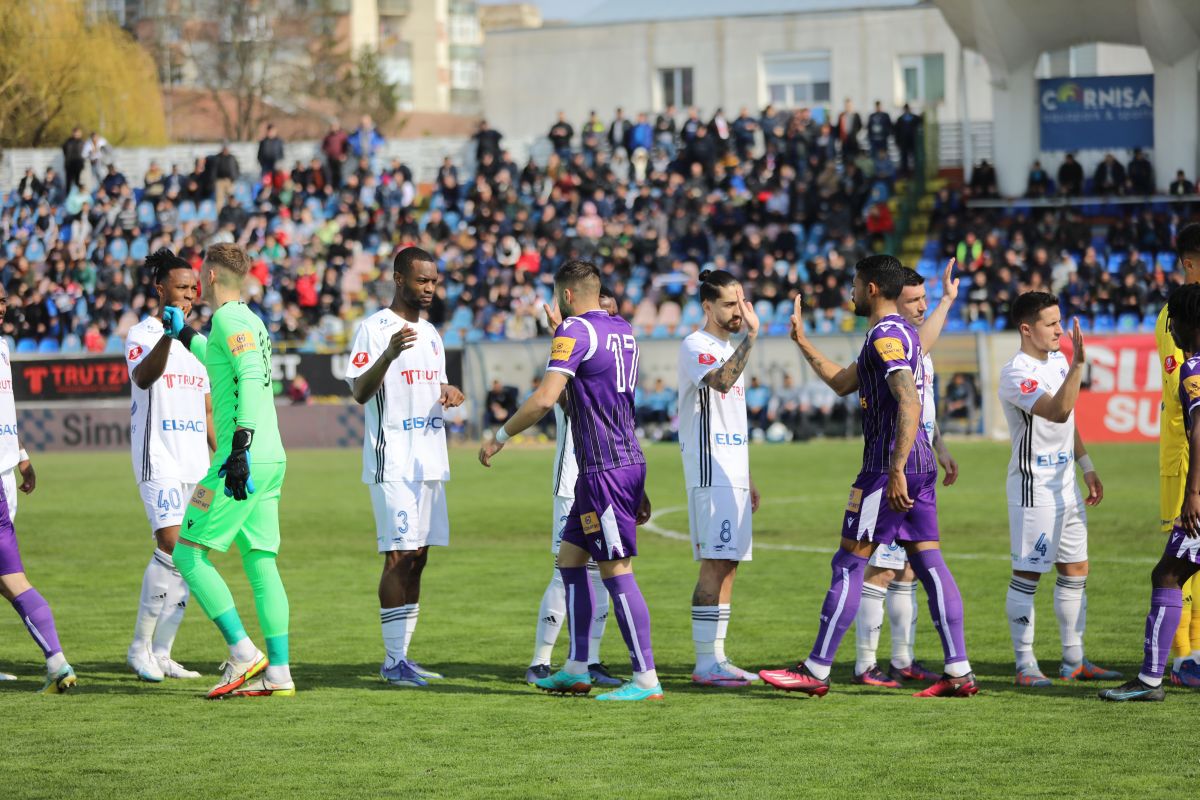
{"x": 1189, "y": 391}
{"x": 599, "y": 354}
{"x": 891, "y": 345}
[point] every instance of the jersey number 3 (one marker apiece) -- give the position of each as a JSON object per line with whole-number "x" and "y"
{"x": 625, "y": 356}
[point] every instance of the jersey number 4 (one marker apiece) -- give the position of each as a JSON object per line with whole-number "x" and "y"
{"x": 625, "y": 355}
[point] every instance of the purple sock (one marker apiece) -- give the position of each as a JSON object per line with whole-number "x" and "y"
{"x": 580, "y": 603}
{"x": 1166, "y": 606}
{"x": 840, "y": 606}
{"x": 945, "y": 603}
{"x": 633, "y": 618}
{"x": 35, "y": 612}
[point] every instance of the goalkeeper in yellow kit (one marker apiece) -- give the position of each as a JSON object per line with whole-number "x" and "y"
{"x": 1173, "y": 462}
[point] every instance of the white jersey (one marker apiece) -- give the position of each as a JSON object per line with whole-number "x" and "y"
{"x": 405, "y": 436}
{"x": 713, "y": 436}
{"x": 928, "y": 397}
{"x": 168, "y": 424}
{"x": 1041, "y": 471}
{"x": 566, "y": 468}
{"x": 10, "y": 448}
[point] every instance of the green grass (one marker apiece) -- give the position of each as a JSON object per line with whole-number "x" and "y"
{"x": 482, "y": 732}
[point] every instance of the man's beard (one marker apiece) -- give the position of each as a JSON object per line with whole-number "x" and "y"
{"x": 862, "y": 309}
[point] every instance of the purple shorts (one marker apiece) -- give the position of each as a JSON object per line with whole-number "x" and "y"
{"x": 603, "y": 519}
{"x": 1182, "y": 546}
{"x": 869, "y": 518}
{"x": 10, "y": 554}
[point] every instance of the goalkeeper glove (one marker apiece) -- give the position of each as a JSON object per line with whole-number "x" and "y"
{"x": 236, "y": 469}
{"x": 172, "y": 321}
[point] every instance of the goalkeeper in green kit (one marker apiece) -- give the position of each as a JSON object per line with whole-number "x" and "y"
{"x": 237, "y": 502}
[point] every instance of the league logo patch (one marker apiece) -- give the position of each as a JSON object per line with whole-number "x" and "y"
{"x": 590, "y": 522}
{"x": 433, "y": 344}
{"x": 201, "y": 498}
{"x": 707, "y": 359}
{"x": 1170, "y": 364}
{"x": 240, "y": 342}
{"x": 1191, "y": 385}
{"x": 135, "y": 352}
{"x": 561, "y": 347}
{"x": 1029, "y": 386}
{"x": 855, "y": 502}
{"x": 360, "y": 359}
{"x": 890, "y": 348}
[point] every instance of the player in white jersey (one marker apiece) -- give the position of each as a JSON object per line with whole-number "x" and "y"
{"x": 171, "y": 435}
{"x": 714, "y": 442}
{"x": 1047, "y": 523}
{"x": 553, "y": 609}
{"x": 888, "y": 577}
{"x": 397, "y": 371}
{"x": 13, "y": 457}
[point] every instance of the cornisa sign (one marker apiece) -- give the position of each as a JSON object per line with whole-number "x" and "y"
{"x": 1115, "y": 111}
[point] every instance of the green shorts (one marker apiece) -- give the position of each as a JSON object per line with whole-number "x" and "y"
{"x": 218, "y": 522}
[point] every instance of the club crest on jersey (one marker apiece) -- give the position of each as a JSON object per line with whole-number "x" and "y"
{"x": 134, "y": 352}
{"x": 1170, "y": 364}
{"x": 433, "y": 344}
{"x": 889, "y": 348}
{"x": 1029, "y": 386}
{"x": 561, "y": 347}
{"x": 707, "y": 358}
{"x": 1191, "y": 385}
{"x": 360, "y": 359}
{"x": 240, "y": 342}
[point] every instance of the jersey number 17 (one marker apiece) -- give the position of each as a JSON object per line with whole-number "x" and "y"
{"x": 625, "y": 356}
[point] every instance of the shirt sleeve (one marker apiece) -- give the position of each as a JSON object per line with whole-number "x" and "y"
{"x": 445, "y": 378}
{"x": 697, "y": 360}
{"x": 363, "y": 353}
{"x": 572, "y": 345}
{"x": 137, "y": 347}
{"x": 248, "y": 360}
{"x": 1020, "y": 389}
{"x": 894, "y": 349}
{"x": 1189, "y": 380}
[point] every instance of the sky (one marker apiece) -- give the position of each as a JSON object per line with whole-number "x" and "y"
{"x": 557, "y": 9}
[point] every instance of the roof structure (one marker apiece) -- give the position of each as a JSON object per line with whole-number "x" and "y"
{"x": 622, "y": 11}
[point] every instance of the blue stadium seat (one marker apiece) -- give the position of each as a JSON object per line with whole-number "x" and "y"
{"x": 783, "y": 310}
{"x": 474, "y": 335}
{"x": 452, "y": 338}
{"x": 955, "y": 324}
{"x": 693, "y": 313}
{"x": 660, "y": 332}
{"x": 765, "y": 311}
{"x": 187, "y": 211}
{"x": 979, "y": 326}
{"x": 932, "y": 249}
{"x": 118, "y": 248}
{"x": 1127, "y": 323}
{"x": 1000, "y": 323}
{"x": 27, "y": 346}
{"x": 1085, "y": 324}
{"x": 71, "y": 344}
{"x": 927, "y": 267}
{"x": 1166, "y": 260}
{"x": 35, "y": 250}
{"x": 48, "y": 345}
{"x": 1104, "y": 323}
{"x": 462, "y": 318}
{"x": 1148, "y": 322}
{"x": 114, "y": 345}
{"x": 1115, "y": 261}
{"x": 780, "y": 328}
{"x": 139, "y": 249}
{"x": 207, "y": 211}
{"x": 146, "y": 216}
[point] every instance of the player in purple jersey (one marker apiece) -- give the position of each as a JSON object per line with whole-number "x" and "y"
{"x": 893, "y": 497}
{"x": 594, "y": 357}
{"x": 1181, "y": 558}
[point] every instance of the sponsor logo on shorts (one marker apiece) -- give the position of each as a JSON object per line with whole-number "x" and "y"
{"x": 707, "y": 359}
{"x": 561, "y": 347}
{"x": 201, "y": 499}
{"x": 1029, "y": 386}
{"x": 240, "y": 342}
{"x": 360, "y": 359}
{"x": 890, "y": 348}
{"x": 590, "y": 522}
{"x": 855, "y": 501}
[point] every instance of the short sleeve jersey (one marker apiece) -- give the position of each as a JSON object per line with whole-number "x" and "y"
{"x": 1189, "y": 392}
{"x": 928, "y": 397}
{"x": 566, "y": 470}
{"x": 404, "y": 437}
{"x": 10, "y": 448}
{"x": 239, "y": 366}
{"x": 168, "y": 432}
{"x": 1172, "y": 441}
{"x": 713, "y": 436}
{"x": 600, "y": 356}
{"x": 892, "y": 344}
{"x": 1041, "y": 471}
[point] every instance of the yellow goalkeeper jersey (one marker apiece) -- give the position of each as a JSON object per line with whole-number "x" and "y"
{"x": 1172, "y": 440}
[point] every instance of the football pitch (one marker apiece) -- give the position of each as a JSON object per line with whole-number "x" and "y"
{"x": 483, "y": 733}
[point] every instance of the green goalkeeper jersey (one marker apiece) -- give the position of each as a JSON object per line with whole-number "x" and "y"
{"x": 239, "y": 369}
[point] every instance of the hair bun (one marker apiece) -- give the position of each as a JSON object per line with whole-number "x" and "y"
{"x": 704, "y": 273}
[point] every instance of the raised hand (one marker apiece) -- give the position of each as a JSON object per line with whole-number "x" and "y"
{"x": 553, "y": 315}
{"x": 797, "y": 319}
{"x": 949, "y": 283}
{"x": 403, "y": 339}
{"x": 1078, "y": 357}
{"x": 748, "y": 315}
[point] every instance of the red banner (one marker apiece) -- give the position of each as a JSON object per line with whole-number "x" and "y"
{"x": 1124, "y": 395}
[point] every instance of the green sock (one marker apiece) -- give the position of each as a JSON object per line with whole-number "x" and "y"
{"x": 271, "y": 602}
{"x": 210, "y": 591}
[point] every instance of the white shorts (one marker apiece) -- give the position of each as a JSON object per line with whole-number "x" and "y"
{"x": 410, "y": 515}
{"x": 166, "y": 501}
{"x": 10, "y": 493}
{"x": 562, "y": 511}
{"x": 1047, "y": 535}
{"x": 889, "y": 556}
{"x": 719, "y": 522}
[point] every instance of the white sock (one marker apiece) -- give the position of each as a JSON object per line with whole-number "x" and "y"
{"x": 155, "y": 581}
{"x": 818, "y": 670}
{"x": 394, "y": 622}
{"x": 279, "y": 674}
{"x": 902, "y": 617}
{"x": 723, "y": 612}
{"x": 1018, "y": 605}
{"x": 704, "y": 636}
{"x": 551, "y": 614}
{"x": 957, "y": 669}
{"x": 599, "y": 613}
{"x": 575, "y": 667}
{"x": 1070, "y": 606}
{"x": 1146, "y": 679}
{"x": 55, "y": 662}
{"x": 243, "y": 649}
{"x": 647, "y": 679}
{"x": 172, "y": 615}
{"x": 867, "y": 625}
{"x": 410, "y": 625}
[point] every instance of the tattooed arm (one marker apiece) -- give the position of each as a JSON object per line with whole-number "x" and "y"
{"x": 908, "y": 417}
{"x": 843, "y": 380}
{"x": 725, "y": 376}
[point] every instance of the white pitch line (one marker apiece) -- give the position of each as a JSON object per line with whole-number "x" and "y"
{"x": 668, "y": 533}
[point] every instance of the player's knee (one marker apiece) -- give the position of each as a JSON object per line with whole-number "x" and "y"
{"x": 187, "y": 559}
{"x": 1166, "y": 575}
